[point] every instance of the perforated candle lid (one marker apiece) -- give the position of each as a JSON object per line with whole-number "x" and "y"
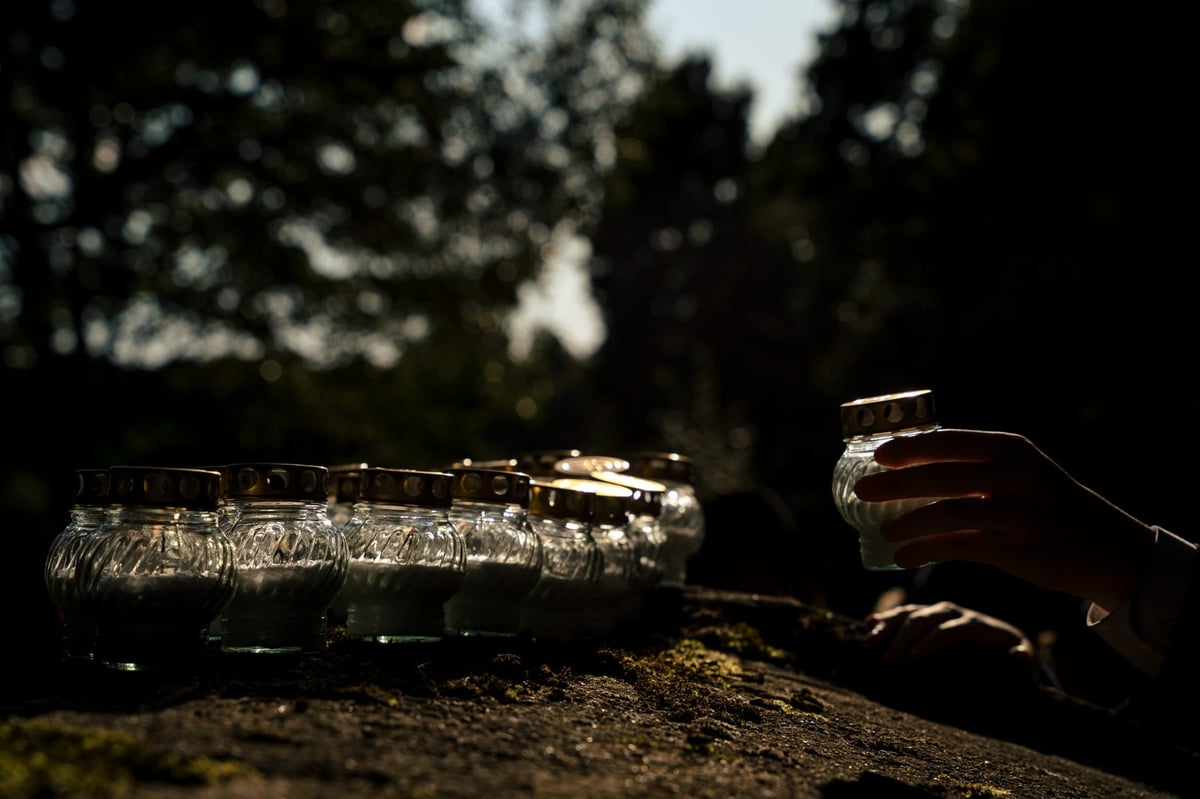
{"x": 587, "y": 465}
{"x": 405, "y": 486}
{"x": 560, "y": 502}
{"x": 490, "y": 485}
{"x": 888, "y": 413}
{"x": 274, "y": 481}
{"x": 164, "y": 486}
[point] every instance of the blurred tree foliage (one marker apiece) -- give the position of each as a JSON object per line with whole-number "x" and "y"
{"x": 307, "y": 219}
{"x": 295, "y": 230}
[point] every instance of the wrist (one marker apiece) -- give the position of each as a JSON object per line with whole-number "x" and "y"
{"x": 1129, "y": 568}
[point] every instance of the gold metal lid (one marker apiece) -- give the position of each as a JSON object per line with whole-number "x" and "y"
{"x": 490, "y": 485}
{"x": 608, "y": 505}
{"x": 164, "y": 486}
{"x": 670, "y": 466}
{"x": 591, "y": 485}
{"x": 646, "y": 503}
{"x": 405, "y": 487}
{"x": 632, "y": 482}
{"x": 585, "y": 465}
{"x": 645, "y": 495}
{"x": 888, "y": 413}
{"x": 611, "y": 510}
{"x": 497, "y": 464}
{"x": 274, "y": 481}
{"x": 560, "y": 502}
{"x": 540, "y": 462}
{"x": 91, "y": 486}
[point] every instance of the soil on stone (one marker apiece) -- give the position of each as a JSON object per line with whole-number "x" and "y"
{"x": 712, "y": 694}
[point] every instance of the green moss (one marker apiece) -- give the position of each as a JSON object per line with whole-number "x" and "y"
{"x": 685, "y": 660}
{"x": 744, "y": 640}
{"x": 478, "y": 686}
{"x": 686, "y": 679}
{"x": 39, "y": 757}
{"x": 790, "y": 709}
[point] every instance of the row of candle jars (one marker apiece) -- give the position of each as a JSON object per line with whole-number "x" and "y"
{"x": 259, "y": 558}
{"x": 489, "y": 549}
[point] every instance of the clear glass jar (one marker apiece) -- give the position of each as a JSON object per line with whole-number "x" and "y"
{"x": 406, "y": 558}
{"x": 682, "y": 514}
{"x": 84, "y": 518}
{"x": 867, "y": 423}
{"x": 158, "y": 570}
{"x": 562, "y": 518}
{"x": 649, "y": 541}
{"x": 618, "y": 560}
{"x": 489, "y": 509}
{"x": 291, "y": 560}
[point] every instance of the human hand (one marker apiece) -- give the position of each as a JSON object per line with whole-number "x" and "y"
{"x": 920, "y": 632}
{"x": 1007, "y": 504}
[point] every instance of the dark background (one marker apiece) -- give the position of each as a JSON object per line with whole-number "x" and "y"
{"x": 990, "y": 199}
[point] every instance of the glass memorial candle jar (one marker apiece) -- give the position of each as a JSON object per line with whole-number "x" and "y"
{"x": 681, "y": 515}
{"x": 609, "y": 530}
{"x": 158, "y": 570}
{"x": 562, "y": 519}
{"x": 84, "y": 518}
{"x": 406, "y": 558}
{"x": 646, "y": 535}
{"x": 867, "y": 423}
{"x": 291, "y": 560}
{"x": 489, "y": 509}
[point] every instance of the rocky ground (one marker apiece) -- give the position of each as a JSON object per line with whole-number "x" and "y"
{"x": 712, "y": 695}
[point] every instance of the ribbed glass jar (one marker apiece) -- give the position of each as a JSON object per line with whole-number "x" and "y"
{"x": 291, "y": 560}
{"x": 84, "y": 517}
{"x": 643, "y": 507}
{"x": 867, "y": 423}
{"x": 618, "y": 560}
{"x": 489, "y": 509}
{"x": 562, "y": 519}
{"x": 158, "y": 570}
{"x": 682, "y": 514}
{"x": 406, "y": 558}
